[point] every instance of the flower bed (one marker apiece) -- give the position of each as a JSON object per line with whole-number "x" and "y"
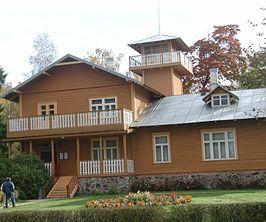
{"x": 140, "y": 199}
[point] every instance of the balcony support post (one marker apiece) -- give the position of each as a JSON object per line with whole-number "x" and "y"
{"x": 30, "y": 145}
{"x": 52, "y": 155}
{"x": 125, "y": 152}
{"x": 78, "y": 157}
{"x": 101, "y": 155}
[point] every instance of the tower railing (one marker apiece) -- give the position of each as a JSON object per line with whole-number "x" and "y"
{"x": 160, "y": 58}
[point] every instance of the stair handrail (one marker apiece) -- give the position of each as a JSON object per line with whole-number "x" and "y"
{"x": 46, "y": 188}
{"x": 71, "y": 185}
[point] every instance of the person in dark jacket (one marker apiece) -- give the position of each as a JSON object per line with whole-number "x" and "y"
{"x": 9, "y": 189}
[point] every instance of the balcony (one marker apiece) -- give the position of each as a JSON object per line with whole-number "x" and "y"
{"x": 176, "y": 58}
{"x": 71, "y": 123}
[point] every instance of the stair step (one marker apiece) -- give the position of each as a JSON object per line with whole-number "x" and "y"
{"x": 59, "y": 190}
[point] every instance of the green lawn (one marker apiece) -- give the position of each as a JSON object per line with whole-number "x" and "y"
{"x": 200, "y": 196}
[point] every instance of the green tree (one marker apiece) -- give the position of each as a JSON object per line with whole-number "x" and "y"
{"x": 8, "y": 109}
{"x": 101, "y": 56}
{"x": 3, "y": 148}
{"x": 221, "y": 50}
{"x": 45, "y": 53}
{"x": 28, "y": 173}
{"x": 255, "y": 77}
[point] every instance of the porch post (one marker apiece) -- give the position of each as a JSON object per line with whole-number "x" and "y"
{"x": 52, "y": 154}
{"x": 78, "y": 157}
{"x": 30, "y": 144}
{"x": 125, "y": 151}
{"x": 9, "y": 149}
{"x": 101, "y": 155}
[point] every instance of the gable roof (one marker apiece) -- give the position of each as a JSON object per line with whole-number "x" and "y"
{"x": 13, "y": 93}
{"x": 158, "y": 38}
{"x": 190, "y": 108}
{"x": 205, "y": 98}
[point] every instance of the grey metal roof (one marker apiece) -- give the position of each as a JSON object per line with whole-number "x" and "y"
{"x": 190, "y": 108}
{"x": 157, "y": 38}
{"x": 12, "y": 94}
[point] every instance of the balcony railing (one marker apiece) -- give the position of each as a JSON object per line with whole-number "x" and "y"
{"x": 63, "y": 122}
{"x": 115, "y": 166}
{"x": 160, "y": 58}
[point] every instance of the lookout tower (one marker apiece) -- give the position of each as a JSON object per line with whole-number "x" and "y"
{"x": 161, "y": 63}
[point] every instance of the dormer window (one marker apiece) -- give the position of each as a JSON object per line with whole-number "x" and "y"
{"x": 220, "y": 100}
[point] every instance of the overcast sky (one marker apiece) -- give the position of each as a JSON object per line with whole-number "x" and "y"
{"x": 81, "y": 25}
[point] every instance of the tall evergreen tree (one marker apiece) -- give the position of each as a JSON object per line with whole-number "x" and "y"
{"x": 3, "y": 148}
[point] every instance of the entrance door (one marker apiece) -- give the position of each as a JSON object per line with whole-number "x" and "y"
{"x": 67, "y": 157}
{"x": 46, "y": 155}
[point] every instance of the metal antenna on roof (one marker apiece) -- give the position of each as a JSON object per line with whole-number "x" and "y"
{"x": 159, "y": 21}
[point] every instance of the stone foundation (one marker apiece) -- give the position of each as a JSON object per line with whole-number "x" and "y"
{"x": 217, "y": 180}
{"x": 103, "y": 184}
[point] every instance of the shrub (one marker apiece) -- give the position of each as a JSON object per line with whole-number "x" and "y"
{"x": 219, "y": 212}
{"x": 113, "y": 190}
{"x": 98, "y": 192}
{"x": 27, "y": 172}
{"x": 248, "y": 212}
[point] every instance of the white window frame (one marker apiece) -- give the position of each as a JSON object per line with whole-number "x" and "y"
{"x": 220, "y": 100}
{"x": 226, "y": 141}
{"x": 154, "y": 135}
{"x": 104, "y": 148}
{"x": 47, "y": 108}
{"x": 103, "y": 104}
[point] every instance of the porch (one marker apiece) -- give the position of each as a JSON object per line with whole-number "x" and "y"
{"x": 60, "y": 124}
{"x": 86, "y": 156}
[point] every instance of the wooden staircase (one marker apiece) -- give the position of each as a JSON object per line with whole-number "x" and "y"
{"x": 65, "y": 186}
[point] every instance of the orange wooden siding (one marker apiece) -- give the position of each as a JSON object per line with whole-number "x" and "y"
{"x": 72, "y": 87}
{"x": 141, "y": 100}
{"x": 159, "y": 79}
{"x": 177, "y": 83}
{"x": 186, "y": 148}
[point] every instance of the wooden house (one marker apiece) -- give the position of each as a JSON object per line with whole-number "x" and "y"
{"x": 94, "y": 127}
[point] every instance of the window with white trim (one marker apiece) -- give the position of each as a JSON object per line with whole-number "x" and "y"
{"x": 161, "y": 148}
{"x": 220, "y": 100}
{"x": 109, "y": 146}
{"x": 103, "y": 104}
{"x": 47, "y": 109}
{"x": 219, "y": 145}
